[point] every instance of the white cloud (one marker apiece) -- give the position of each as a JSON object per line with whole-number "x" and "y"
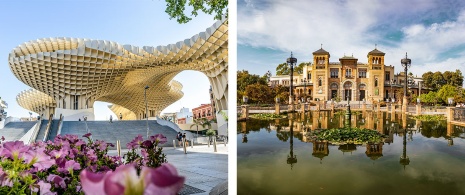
{"x": 346, "y": 27}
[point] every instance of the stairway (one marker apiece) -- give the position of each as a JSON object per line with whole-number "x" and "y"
{"x": 41, "y": 134}
{"x": 15, "y": 130}
{"x": 125, "y": 131}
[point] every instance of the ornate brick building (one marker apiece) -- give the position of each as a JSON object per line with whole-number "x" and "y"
{"x": 346, "y": 79}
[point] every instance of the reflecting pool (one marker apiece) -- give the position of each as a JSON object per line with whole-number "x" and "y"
{"x": 417, "y": 157}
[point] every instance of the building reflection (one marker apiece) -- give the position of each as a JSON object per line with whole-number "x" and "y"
{"x": 347, "y": 148}
{"x": 374, "y": 151}
{"x": 320, "y": 150}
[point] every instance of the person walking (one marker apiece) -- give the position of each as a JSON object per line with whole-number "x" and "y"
{"x": 179, "y": 137}
{"x": 184, "y": 138}
{"x": 111, "y": 119}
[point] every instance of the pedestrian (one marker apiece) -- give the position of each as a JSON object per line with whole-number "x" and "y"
{"x": 120, "y": 116}
{"x": 111, "y": 119}
{"x": 184, "y": 138}
{"x": 179, "y": 138}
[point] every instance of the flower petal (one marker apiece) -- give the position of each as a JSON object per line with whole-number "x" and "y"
{"x": 162, "y": 180}
{"x": 92, "y": 183}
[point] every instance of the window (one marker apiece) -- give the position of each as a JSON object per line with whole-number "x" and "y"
{"x": 348, "y": 72}
{"x": 387, "y": 76}
{"x": 309, "y": 76}
{"x": 376, "y": 82}
{"x": 319, "y": 82}
{"x": 362, "y": 73}
{"x": 334, "y": 72}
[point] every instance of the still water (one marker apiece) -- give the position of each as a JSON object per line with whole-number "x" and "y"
{"x": 277, "y": 157}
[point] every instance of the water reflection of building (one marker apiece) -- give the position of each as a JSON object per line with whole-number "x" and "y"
{"x": 320, "y": 149}
{"x": 374, "y": 150}
{"x": 347, "y": 148}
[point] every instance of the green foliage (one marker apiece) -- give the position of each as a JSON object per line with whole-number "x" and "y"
{"x": 176, "y": 8}
{"x": 283, "y": 69}
{"x": 267, "y": 116}
{"x": 446, "y": 92}
{"x": 259, "y": 93}
{"x": 353, "y": 135}
{"x": 210, "y": 132}
{"x": 430, "y": 117}
{"x": 245, "y": 79}
{"x": 436, "y": 80}
{"x": 430, "y": 98}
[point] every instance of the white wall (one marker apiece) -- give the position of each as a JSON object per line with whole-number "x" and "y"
{"x": 75, "y": 115}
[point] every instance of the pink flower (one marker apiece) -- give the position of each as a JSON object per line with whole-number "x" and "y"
{"x": 124, "y": 180}
{"x": 45, "y": 188}
{"x": 162, "y": 180}
{"x": 87, "y": 135}
{"x": 160, "y": 137}
{"x": 57, "y": 180}
{"x": 39, "y": 159}
{"x": 14, "y": 149}
{"x": 69, "y": 166}
{"x": 59, "y": 154}
{"x": 136, "y": 141}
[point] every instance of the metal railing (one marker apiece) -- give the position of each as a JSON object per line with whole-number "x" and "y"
{"x": 47, "y": 130}
{"x": 60, "y": 125}
{"x": 35, "y": 132}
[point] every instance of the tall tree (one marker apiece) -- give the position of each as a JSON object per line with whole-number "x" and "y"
{"x": 428, "y": 79}
{"x": 283, "y": 69}
{"x": 438, "y": 81}
{"x": 176, "y": 8}
{"x": 457, "y": 78}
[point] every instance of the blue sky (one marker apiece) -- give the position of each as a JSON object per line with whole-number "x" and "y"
{"x": 431, "y": 31}
{"x": 138, "y": 23}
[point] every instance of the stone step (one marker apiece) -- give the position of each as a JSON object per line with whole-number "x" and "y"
{"x": 15, "y": 130}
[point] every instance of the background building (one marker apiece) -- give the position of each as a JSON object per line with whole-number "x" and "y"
{"x": 203, "y": 111}
{"x": 347, "y": 79}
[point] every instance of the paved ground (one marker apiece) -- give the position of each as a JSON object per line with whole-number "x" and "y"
{"x": 205, "y": 171}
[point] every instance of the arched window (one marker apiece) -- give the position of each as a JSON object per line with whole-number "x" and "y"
{"x": 319, "y": 82}
{"x": 376, "y": 82}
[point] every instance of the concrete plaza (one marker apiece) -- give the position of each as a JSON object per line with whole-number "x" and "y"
{"x": 206, "y": 171}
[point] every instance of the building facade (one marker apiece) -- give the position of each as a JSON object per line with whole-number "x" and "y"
{"x": 204, "y": 111}
{"x": 347, "y": 79}
{"x": 67, "y": 75}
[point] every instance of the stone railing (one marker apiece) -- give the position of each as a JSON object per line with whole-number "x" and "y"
{"x": 458, "y": 114}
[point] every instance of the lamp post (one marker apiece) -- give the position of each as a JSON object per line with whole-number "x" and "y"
{"x": 146, "y": 110}
{"x": 291, "y": 61}
{"x": 406, "y": 63}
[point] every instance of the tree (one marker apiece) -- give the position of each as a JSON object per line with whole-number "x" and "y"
{"x": 457, "y": 78}
{"x": 245, "y": 79}
{"x": 202, "y": 122}
{"x": 428, "y": 79}
{"x": 447, "y": 91}
{"x": 283, "y": 69}
{"x": 438, "y": 81}
{"x": 176, "y": 8}
{"x": 281, "y": 92}
{"x": 259, "y": 93}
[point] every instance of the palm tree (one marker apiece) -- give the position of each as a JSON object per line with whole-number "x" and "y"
{"x": 202, "y": 122}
